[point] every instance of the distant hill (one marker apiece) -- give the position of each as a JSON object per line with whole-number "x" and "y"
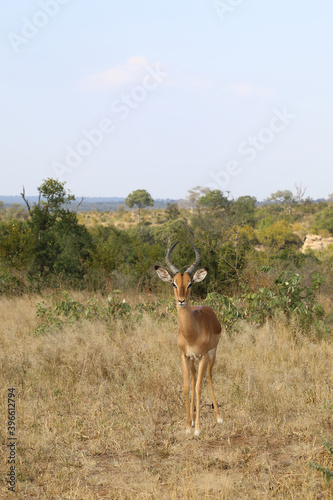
{"x": 9, "y": 200}
{"x": 101, "y": 204}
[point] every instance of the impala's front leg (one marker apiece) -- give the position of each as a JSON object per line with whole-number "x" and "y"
{"x": 201, "y": 371}
{"x": 186, "y": 371}
{"x": 193, "y": 380}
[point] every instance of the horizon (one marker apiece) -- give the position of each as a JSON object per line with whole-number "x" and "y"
{"x": 235, "y": 96}
{"x": 176, "y": 200}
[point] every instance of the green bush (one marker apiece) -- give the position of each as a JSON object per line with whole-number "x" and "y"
{"x": 279, "y": 235}
{"x": 323, "y": 220}
{"x": 286, "y": 296}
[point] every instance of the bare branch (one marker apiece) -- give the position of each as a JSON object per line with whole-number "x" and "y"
{"x": 300, "y": 192}
{"x": 26, "y": 201}
{"x": 80, "y": 203}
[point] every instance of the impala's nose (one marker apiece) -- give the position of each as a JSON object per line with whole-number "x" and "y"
{"x": 181, "y": 302}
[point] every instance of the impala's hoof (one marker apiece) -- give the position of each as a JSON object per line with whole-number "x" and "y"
{"x": 220, "y": 420}
{"x": 197, "y": 433}
{"x": 188, "y": 430}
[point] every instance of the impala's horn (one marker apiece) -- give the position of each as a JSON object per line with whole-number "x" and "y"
{"x": 196, "y": 263}
{"x": 172, "y": 268}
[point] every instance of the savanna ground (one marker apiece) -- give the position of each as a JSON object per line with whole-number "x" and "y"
{"x": 101, "y": 414}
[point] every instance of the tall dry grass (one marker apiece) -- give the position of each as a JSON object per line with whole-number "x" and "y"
{"x": 101, "y": 412}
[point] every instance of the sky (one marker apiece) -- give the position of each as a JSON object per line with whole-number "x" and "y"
{"x": 235, "y": 95}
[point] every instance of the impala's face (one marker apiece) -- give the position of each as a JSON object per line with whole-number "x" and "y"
{"x": 182, "y": 288}
{"x": 181, "y": 283}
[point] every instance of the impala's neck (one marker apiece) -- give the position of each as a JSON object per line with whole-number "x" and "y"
{"x": 186, "y": 321}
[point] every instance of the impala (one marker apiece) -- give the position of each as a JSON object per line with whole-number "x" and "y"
{"x": 198, "y": 336}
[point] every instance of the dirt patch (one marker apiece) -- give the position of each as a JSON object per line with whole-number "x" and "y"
{"x": 316, "y": 242}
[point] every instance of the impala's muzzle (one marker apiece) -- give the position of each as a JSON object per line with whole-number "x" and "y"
{"x": 181, "y": 297}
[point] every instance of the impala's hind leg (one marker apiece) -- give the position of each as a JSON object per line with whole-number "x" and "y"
{"x": 211, "y": 361}
{"x": 201, "y": 371}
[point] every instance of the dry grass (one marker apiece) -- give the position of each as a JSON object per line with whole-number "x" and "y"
{"x": 101, "y": 412}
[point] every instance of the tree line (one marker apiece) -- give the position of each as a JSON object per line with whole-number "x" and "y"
{"x": 236, "y": 240}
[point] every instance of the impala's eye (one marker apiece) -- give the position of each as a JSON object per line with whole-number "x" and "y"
{"x": 189, "y": 285}
{"x": 174, "y": 285}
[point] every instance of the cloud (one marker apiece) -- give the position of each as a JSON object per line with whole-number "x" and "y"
{"x": 241, "y": 89}
{"x": 128, "y": 73}
{"x": 246, "y": 90}
{"x": 181, "y": 80}
{"x": 133, "y": 70}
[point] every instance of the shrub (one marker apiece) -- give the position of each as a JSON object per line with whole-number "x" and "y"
{"x": 279, "y": 235}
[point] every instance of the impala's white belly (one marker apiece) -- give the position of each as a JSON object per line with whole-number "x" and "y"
{"x": 197, "y": 357}
{"x": 192, "y": 356}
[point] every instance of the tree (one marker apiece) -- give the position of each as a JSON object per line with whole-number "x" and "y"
{"x": 300, "y": 192}
{"x": 172, "y": 211}
{"x": 214, "y": 199}
{"x": 54, "y": 194}
{"x": 195, "y": 194}
{"x": 284, "y": 196}
{"x": 61, "y": 244}
{"x": 243, "y": 210}
{"x": 140, "y": 198}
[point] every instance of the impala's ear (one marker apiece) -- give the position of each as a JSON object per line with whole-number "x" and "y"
{"x": 163, "y": 274}
{"x": 200, "y": 275}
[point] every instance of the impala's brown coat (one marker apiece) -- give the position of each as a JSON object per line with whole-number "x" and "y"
{"x": 198, "y": 337}
{"x": 199, "y": 329}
